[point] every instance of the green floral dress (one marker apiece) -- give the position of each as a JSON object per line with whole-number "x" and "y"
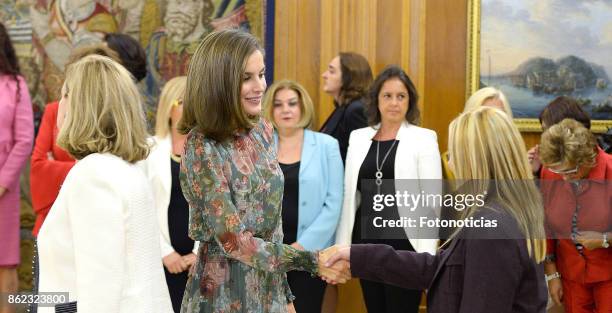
{"x": 234, "y": 189}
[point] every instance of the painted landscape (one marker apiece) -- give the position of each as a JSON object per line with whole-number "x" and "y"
{"x": 535, "y": 51}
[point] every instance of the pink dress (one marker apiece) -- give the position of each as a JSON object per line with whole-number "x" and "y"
{"x": 16, "y": 137}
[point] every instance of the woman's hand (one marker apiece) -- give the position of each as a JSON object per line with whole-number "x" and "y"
{"x": 590, "y": 239}
{"x": 174, "y": 263}
{"x": 341, "y": 253}
{"x": 189, "y": 259}
{"x": 290, "y": 308}
{"x": 555, "y": 288}
{"x": 534, "y": 158}
{"x": 297, "y": 246}
{"x": 334, "y": 264}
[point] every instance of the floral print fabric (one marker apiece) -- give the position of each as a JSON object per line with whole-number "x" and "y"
{"x": 234, "y": 189}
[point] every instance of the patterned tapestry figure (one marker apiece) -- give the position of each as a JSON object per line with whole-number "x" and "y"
{"x": 169, "y": 29}
{"x": 61, "y": 25}
{"x": 186, "y": 22}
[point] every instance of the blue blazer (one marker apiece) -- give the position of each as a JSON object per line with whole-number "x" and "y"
{"x": 321, "y": 185}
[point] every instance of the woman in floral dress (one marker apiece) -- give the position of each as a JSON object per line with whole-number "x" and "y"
{"x": 233, "y": 184}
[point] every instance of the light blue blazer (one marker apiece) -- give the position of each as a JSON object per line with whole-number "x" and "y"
{"x": 321, "y": 185}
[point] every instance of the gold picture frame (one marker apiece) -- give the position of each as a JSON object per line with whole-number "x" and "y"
{"x": 473, "y": 71}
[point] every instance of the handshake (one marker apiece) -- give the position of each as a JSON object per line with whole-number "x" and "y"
{"x": 334, "y": 264}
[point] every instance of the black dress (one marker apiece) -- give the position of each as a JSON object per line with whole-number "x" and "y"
{"x": 381, "y": 297}
{"x": 308, "y": 290}
{"x": 178, "y": 225}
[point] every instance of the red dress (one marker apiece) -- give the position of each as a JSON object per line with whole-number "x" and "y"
{"x": 49, "y": 167}
{"x": 584, "y": 273}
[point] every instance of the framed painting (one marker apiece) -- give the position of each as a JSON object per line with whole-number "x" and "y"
{"x": 535, "y": 51}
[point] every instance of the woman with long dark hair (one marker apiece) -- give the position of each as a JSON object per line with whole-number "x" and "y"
{"x": 347, "y": 79}
{"x": 16, "y": 137}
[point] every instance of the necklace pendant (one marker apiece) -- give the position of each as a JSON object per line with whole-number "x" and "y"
{"x": 379, "y": 175}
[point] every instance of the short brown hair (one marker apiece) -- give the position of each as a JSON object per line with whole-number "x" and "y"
{"x": 392, "y": 71}
{"x": 104, "y": 111}
{"x": 561, "y": 108}
{"x": 306, "y": 106}
{"x": 356, "y": 76}
{"x": 568, "y": 142}
{"x": 212, "y": 102}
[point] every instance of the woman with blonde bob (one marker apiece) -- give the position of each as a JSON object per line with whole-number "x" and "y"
{"x": 484, "y": 97}
{"x": 100, "y": 241}
{"x": 313, "y": 171}
{"x": 488, "y": 97}
{"x": 496, "y": 269}
{"x": 163, "y": 167}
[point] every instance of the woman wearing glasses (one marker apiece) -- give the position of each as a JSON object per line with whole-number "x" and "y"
{"x": 577, "y": 203}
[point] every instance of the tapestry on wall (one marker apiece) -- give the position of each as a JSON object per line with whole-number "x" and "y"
{"x": 44, "y": 33}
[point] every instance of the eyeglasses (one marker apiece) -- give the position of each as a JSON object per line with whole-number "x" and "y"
{"x": 177, "y": 102}
{"x": 565, "y": 172}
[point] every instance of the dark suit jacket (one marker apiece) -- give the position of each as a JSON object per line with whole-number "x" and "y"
{"x": 470, "y": 276}
{"x": 343, "y": 121}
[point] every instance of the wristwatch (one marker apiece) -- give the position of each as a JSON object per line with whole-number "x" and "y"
{"x": 605, "y": 244}
{"x": 552, "y": 276}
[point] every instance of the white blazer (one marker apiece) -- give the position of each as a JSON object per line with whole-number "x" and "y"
{"x": 160, "y": 176}
{"x": 417, "y": 157}
{"x": 100, "y": 241}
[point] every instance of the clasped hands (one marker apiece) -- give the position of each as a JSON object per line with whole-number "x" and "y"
{"x": 334, "y": 264}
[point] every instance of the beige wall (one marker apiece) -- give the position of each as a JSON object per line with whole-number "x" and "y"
{"x": 428, "y": 38}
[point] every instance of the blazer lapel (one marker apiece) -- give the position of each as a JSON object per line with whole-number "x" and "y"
{"x": 329, "y": 127}
{"x": 403, "y": 136}
{"x": 308, "y": 147}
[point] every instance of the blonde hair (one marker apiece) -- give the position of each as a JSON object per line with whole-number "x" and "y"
{"x": 568, "y": 143}
{"x": 306, "y": 106}
{"x": 478, "y": 98}
{"x": 104, "y": 112}
{"x": 173, "y": 90}
{"x": 486, "y": 148}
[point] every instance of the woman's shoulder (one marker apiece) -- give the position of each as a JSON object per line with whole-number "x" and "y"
{"x": 9, "y": 81}
{"x": 355, "y": 104}
{"x": 52, "y": 107}
{"x": 102, "y": 163}
{"x": 364, "y": 133}
{"x": 497, "y": 223}
{"x": 266, "y": 128}
{"x": 420, "y": 132}
{"x": 197, "y": 139}
{"x": 104, "y": 168}
{"x": 322, "y": 138}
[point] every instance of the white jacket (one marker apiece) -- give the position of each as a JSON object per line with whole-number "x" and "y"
{"x": 417, "y": 157}
{"x": 100, "y": 241}
{"x": 160, "y": 176}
